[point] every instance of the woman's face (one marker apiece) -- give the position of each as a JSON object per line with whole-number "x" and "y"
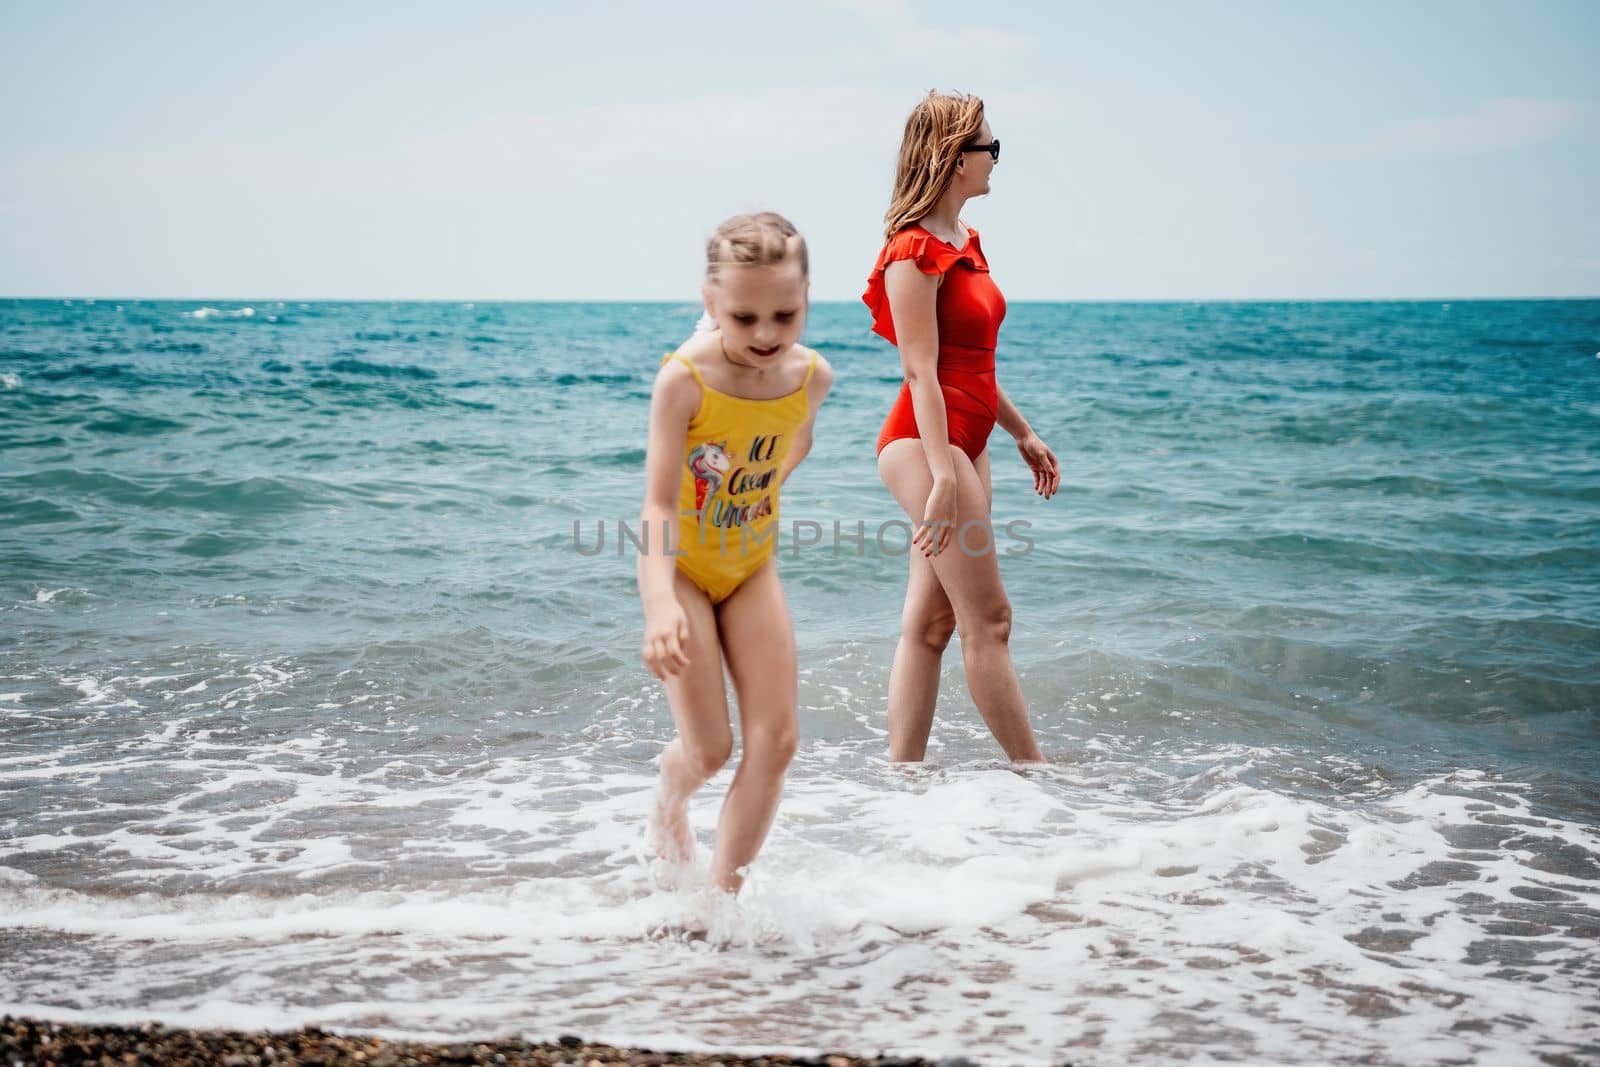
{"x": 975, "y": 167}
{"x": 761, "y": 310}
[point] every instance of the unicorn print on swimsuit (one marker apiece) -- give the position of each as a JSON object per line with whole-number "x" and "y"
{"x": 708, "y": 462}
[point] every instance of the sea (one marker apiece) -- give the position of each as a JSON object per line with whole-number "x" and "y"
{"x": 321, "y": 698}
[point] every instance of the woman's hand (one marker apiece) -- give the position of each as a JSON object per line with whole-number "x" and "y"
{"x": 1042, "y": 462}
{"x": 666, "y": 638}
{"x": 938, "y": 519}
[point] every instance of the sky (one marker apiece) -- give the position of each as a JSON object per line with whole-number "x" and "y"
{"x": 571, "y": 151}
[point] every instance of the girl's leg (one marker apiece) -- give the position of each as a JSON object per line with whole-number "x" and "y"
{"x": 758, "y": 639}
{"x": 969, "y": 572}
{"x": 926, "y": 622}
{"x": 699, "y": 703}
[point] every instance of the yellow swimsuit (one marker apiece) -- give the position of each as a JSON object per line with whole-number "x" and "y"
{"x": 728, "y": 500}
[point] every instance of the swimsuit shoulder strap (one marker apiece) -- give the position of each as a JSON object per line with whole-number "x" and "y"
{"x": 679, "y": 356}
{"x": 811, "y": 369}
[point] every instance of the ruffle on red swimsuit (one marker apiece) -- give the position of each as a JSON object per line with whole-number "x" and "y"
{"x": 969, "y": 310}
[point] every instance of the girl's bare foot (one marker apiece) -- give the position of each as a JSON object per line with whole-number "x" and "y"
{"x": 671, "y": 836}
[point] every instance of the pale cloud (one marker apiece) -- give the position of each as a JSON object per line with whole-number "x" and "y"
{"x": 1496, "y": 126}
{"x": 729, "y": 134}
{"x": 876, "y": 10}
{"x": 507, "y": 155}
{"x": 957, "y": 44}
{"x": 766, "y": 142}
{"x": 902, "y": 31}
{"x": 241, "y": 170}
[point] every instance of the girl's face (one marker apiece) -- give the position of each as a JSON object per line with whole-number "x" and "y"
{"x": 760, "y": 309}
{"x": 972, "y": 172}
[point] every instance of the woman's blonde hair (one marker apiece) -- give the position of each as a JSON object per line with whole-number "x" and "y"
{"x": 761, "y": 239}
{"x": 935, "y": 133}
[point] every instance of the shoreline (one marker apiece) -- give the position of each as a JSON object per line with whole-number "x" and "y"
{"x": 34, "y": 1041}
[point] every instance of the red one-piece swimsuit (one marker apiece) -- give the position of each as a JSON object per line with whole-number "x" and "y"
{"x": 969, "y": 309}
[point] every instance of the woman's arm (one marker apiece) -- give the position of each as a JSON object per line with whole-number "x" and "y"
{"x": 816, "y": 393}
{"x": 1010, "y": 419}
{"x": 1035, "y": 453}
{"x": 913, "y": 305}
{"x": 666, "y": 628}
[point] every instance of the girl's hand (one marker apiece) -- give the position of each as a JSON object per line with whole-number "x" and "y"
{"x": 938, "y": 525}
{"x": 1042, "y": 462}
{"x": 666, "y": 638}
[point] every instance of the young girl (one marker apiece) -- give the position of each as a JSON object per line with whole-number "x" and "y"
{"x": 730, "y": 418}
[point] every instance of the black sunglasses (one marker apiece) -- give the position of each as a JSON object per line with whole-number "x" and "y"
{"x": 993, "y": 148}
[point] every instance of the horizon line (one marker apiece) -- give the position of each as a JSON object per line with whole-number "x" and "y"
{"x": 843, "y": 300}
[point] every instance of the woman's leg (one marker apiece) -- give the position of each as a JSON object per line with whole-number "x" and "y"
{"x": 969, "y": 572}
{"x": 699, "y": 702}
{"x": 926, "y": 622}
{"x": 981, "y": 465}
{"x": 758, "y": 639}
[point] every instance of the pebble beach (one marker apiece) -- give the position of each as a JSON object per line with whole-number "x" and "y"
{"x": 30, "y": 1042}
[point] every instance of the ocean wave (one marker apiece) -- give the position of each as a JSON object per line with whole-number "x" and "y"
{"x": 47, "y": 596}
{"x": 385, "y": 337}
{"x": 1549, "y": 487}
{"x": 18, "y": 442}
{"x": 382, "y": 370}
{"x": 99, "y": 371}
{"x": 212, "y": 545}
{"x": 1337, "y": 552}
{"x": 29, "y": 355}
{"x": 192, "y": 348}
{"x": 626, "y": 457}
{"x": 217, "y": 313}
{"x": 132, "y": 424}
{"x": 1388, "y": 485}
{"x": 34, "y": 511}
{"x": 594, "y": 379}
{"x": 261, "y": 495}
{"x": 877, "y": 347}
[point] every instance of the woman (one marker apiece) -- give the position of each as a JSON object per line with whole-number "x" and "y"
{"x": 931, "y": 296}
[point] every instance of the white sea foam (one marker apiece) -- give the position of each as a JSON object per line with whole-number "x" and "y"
{"x": 1026, "y": 917}
{"x": 1101, "y": 910}
{"x": 218, "y": 313}
{"x": 9, "y": 381}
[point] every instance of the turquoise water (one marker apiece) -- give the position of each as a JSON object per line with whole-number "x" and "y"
{"x": 299, "y": 652}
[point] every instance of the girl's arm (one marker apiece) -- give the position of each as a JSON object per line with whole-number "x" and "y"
{"x": 666, "y": 628}
{"x": 913, "y": 304}
{"x": 816, "y": 393}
